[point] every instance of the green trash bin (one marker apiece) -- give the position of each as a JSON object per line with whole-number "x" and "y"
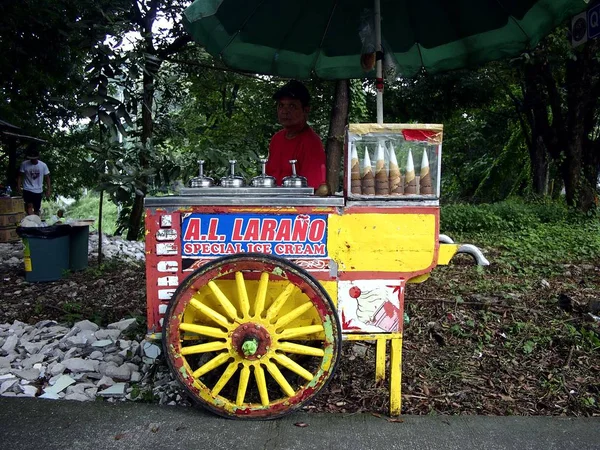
{"x": 78, "y": 254}
{"x": 46, "y": 252}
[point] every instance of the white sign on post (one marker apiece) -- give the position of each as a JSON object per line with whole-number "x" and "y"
{"x": 585, "y": 26}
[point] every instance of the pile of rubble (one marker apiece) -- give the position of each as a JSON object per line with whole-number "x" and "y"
{"x": 11, "y": 254}
{"x": 84, "y": 362}
{"x": 116, "y": 247}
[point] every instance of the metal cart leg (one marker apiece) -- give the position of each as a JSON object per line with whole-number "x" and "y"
{"x": 395, "y": 376}
{"x": 380, "y": 360}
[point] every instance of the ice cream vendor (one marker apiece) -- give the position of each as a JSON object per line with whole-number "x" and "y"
{"x": 297, "y": 141}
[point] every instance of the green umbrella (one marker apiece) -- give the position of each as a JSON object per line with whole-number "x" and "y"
{"x": 297, "y": 39}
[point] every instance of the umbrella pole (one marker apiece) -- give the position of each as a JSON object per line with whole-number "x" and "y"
{"x": 379, "y": 62}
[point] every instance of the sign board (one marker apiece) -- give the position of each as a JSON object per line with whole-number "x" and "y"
{"x": 593, "y": 19}
{"x": 585, "y": 26}
{"x": 287, "y": 235}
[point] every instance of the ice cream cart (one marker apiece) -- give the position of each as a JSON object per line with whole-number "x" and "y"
{"x": 253, "y": 289}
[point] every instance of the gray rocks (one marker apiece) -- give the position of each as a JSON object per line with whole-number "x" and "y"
{"x": 122, "y": 325}
{"x": 83, "y": 362}
{"x": 80, "y": 365}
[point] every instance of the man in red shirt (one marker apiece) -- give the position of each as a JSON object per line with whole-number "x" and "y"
{"x": 297, "y": 140}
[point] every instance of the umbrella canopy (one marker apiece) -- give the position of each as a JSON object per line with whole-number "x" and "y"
{"x": 297, "y": 39}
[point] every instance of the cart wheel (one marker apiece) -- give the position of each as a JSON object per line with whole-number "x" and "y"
{"x": 252, "y": 336}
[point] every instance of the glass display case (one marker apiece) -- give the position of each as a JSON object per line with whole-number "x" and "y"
{"x": 393, "y": 161}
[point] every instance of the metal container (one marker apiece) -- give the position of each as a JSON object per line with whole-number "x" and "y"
{"x": 201, "y": 181}
{"x": 232, "y": 181}
{"x": 263, "y": 180}
{"x": 294, "y": 180}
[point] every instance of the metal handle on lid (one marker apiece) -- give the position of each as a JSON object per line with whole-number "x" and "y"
{"x": 232, "y": 162}
{"x": 201, "y": 168}
{"x": 263, "y": 163}
{"x": 293, "y": 163}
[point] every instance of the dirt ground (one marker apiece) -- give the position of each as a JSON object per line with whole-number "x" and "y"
{"x": 478, "y": 341}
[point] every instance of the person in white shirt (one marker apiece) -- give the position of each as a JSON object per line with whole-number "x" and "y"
{"x": 31, "y": 178}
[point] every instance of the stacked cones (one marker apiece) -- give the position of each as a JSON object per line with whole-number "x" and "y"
{"x": 425, "y": 181}
{"x": 382, "y": 184}
{"x": 368, "y": 180}
{"x": 355, "y": 183}
{"x": 410, "y": 178}
{"x": 396, "y": 186}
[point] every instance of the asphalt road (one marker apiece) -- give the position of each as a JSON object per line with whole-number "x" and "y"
{"x": 48, "y": 424}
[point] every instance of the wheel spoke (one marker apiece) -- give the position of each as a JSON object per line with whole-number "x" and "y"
{"x": 278, "y": 376}
{"x": 203, "y": 330}
{"x": 231, "y": 369}
{"x": 300, "y": 331}
{"x": 204, "y": 348}
{"x": 243, "y": 385}
{"x": 261, "y": 295}
{"x": 279, "y": 302}
{"x": 261, "y": 383}
{"x": 293, "y": 366}
{"x": 294, "y": 314}
{"x": 211, "y": 365}
{"x": 242, "y": 294}
{"x": 290, "y": 347}
{"x": 221, "y": 320}
{"x": 223, "y": 300}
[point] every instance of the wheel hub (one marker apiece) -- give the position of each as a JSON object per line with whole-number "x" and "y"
{"x": 251, "y": 340}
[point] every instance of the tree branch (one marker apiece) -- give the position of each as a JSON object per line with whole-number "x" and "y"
{"x": 174, "y": 46}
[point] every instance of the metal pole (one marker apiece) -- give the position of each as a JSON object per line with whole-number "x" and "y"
{"x": 379, "y": 63}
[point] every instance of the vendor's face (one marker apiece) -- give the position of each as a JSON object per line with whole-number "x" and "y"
{"x": 291, "y": 113}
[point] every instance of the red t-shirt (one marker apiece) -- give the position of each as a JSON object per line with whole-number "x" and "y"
{"x": 306, "y": 148}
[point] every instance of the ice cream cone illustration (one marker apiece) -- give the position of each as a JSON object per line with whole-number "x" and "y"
{"x": 355, "y": 183}
{"x": 395, "y": 179}
{"x": 382, "y": 184}
{"x": 368, "y": 180}
{"x": 425, "y": 181}
{"x": 410, "y": 180}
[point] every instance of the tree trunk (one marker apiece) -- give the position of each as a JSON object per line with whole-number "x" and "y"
{"x": 137, "y": 210}
{"x": 337, "y": 129}
{"x": 11, "y": 170}
{"x": 537, "y": 116}
{"x": 100, "y": 228}
{"x": 580, "y": 163}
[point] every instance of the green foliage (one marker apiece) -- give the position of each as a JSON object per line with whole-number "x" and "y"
{"x": 526, "y": 235}
{"x": 510, "y": 215}
{"x": 87, "y": 208}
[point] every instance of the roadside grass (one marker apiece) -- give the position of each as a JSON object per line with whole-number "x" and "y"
{"x": 513, "y": 338}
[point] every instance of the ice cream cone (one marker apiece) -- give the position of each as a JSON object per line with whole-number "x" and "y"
{"x": 355, "y": 183}
{"x": 395, "y": 179}
{"x": 425, "y": 179}
{"x": 410, "y": 186}
{"x": 382, "y": 184}
{"x": 368, "y": 180}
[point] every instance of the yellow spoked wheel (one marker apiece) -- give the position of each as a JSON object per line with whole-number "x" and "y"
{"x": 252, "y": 336}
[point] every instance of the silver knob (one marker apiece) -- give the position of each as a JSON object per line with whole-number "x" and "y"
{"x": 201, "y": 168}
{"x": 293, "y": 163}
{"x": 232, "y": 165}
{"x": 263, "y": 163}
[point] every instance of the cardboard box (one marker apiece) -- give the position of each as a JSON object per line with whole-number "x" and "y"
{"x": 10, "y": 220}
{"x": 11, "y": 205}
{"x": 9, "y": 234}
